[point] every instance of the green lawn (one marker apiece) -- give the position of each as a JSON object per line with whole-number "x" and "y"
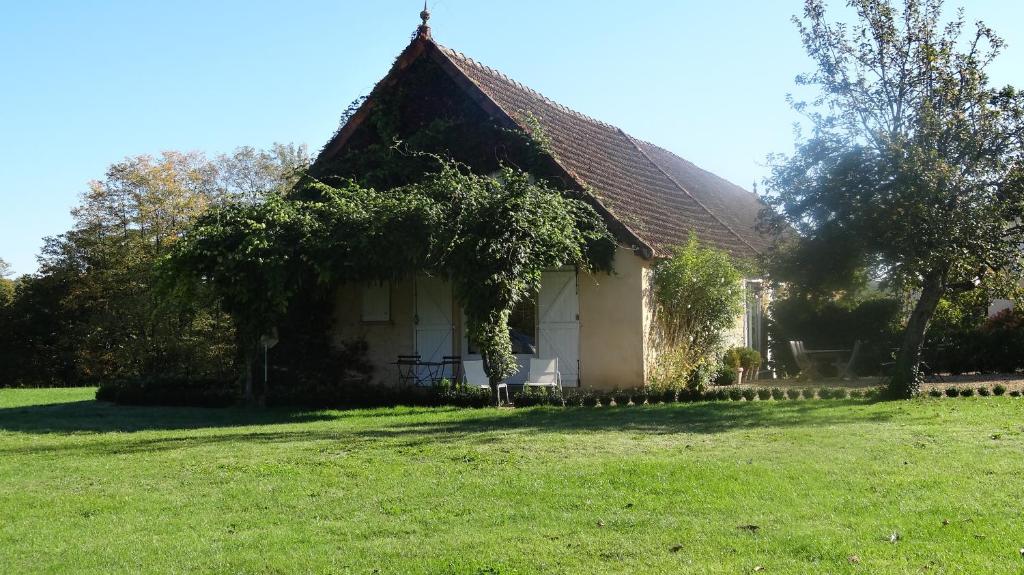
{"x": 93, "y": 488}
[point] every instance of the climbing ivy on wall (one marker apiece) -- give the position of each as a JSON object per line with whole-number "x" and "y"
{"x": 492, "y": 236}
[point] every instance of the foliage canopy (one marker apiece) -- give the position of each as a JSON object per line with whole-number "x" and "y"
{"x": 492, "y": 236}
{"x": 698, "y": 293}
{"x": 915, "y": 164}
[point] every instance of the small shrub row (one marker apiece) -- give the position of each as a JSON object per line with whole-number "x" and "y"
{"x": 573, "y": 397}
{"x": 984, "y": 391}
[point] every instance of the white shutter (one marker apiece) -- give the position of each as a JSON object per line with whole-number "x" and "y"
{"x": 559, "y": 326}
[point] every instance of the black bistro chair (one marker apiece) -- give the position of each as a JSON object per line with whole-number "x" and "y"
{"x": 451, "y": 369}
{"x": 408, "y": 366}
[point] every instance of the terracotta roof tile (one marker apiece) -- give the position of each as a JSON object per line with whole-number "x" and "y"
{"x": 661, "y": 197}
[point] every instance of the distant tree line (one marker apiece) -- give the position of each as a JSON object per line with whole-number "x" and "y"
{"x": 90, "y": 312}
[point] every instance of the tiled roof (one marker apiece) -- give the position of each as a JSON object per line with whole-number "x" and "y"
{"x": 659, "y": 197}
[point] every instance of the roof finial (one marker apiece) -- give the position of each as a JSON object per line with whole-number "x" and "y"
{"x": 424, "y": 29}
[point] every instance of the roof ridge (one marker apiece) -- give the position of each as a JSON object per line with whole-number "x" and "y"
{"x": 520, "y": 85}
{"x": 675, "y": 182}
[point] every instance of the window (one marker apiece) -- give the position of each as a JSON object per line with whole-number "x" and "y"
{"x": 376, "y": 302}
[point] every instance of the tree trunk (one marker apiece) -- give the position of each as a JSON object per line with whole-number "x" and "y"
{"x": 906, "y": 379}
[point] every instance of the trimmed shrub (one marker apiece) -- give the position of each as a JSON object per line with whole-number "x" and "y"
{"x": 808, "y": 393}
{"x": 573, "y": 397}
{"x": 998, "y": 389}
{"x": 840, "y": 393}
{"x": 793, "y": 393}
{"x": 1015, "y": 393}
{"x": 778, "y": 394}
{"x": 749, "y": 394}
{"x": 621, "y": 398}
{"x": 721, "y": 394}
{"x": 640, "y": 396}
{"x": 967, "y": 392}
{"x": 952, "y": 391}
{"x": 169, "y": 390}
{"x": 984, "y": 391}
{"x": 726, "y": 376}
{"x": 856, "y": 394}
{"x": 735, "y": 394}
{"x": 934, "y": 392}
{"x": 764, "y": 394}
{"x": 590, "y": 400}
{"x": 605, "y": 399}
{"x": 825, "y": 393}
{"x": 668, "y": 396}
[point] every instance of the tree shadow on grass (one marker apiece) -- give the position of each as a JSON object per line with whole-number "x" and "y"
{"x": 102, "y": 417}
{"x": 405, "y": 427}
{"x": 694, "y": 418}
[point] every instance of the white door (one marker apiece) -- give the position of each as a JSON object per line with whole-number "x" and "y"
{"x": 434, "y": 327}
{"x": 558, "y": 310}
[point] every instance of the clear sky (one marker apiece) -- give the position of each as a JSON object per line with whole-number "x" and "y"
{"x": 85, "y": 84}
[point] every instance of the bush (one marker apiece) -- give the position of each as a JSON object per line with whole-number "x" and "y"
{"x": 531, "y": 396}
{"x": 735, "y": 394}
{"x": 728, "y": 375}
{"x": 793, "y": 393}
{"x": 722, "y": 395}
{"x": 605, "y": 398}
{"x": 840, "y": 393}
{"x": 934, "y": 392}
{"x": 967, "y": 392}
{"x": 749, "y": 394}
{"x": 998, "y": 389}
{"x": 590, "y": 399}
{"x": 668, "y": 396}
{"x": 952, "y": 391}
{"x": 778, "y": 394}
{"x": 697, "y": 295}
{"x": 808, "y": 393}
{"x": 984, "y": 391}
{"x": 573, "y": 397}
{"x": 169, "y": 390}
{"x": 621, "y": 398}
{"x": 825, "y": 393}
{"x": 639, "y": 396}
{"x": 764, "y": 394}
{"x": 1015, "y": 393}
{"x": 750, "y": 360}
{"x": 856, "y": 394}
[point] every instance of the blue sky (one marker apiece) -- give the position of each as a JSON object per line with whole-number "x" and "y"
{"x": 85, "y": 84}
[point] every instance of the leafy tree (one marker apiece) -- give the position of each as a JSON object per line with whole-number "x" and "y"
{"x": 6, "y": 285}
{"x": 249, "y": 255}
{"x": 91, "y": 308}
{"x": 698, "y": 293}
{"x": 915, "y": 162}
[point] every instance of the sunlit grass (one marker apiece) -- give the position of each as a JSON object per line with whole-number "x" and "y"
{"x": 93, "y": 488}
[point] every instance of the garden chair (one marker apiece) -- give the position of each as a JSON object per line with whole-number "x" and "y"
{"x": 803, "y": 361}
{"x": 450, "y": 368}
{"x": 544, "y": 373}
{"x": 474, "y": 374}
{"x": 407, "y": 369}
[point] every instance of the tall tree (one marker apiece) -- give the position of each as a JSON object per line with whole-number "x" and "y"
{"x": 6, "y": 285}
{"x": 915, "y": 161}
{"x": 92, "y": 306}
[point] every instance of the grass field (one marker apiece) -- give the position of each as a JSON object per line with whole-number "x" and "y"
{"x": 93, "y": 488}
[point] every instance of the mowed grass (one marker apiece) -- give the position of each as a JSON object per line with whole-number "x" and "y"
{"x": 87, "y": 487}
